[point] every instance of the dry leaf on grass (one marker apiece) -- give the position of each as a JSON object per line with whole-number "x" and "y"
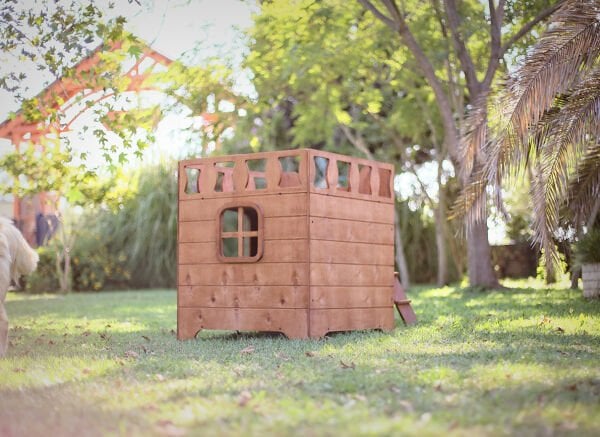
{"x": 247, "y": 350}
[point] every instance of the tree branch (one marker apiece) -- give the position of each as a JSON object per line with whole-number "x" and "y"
{"x": 387, "y": 20}
{"x": 409, "y": 40}
{"x": 528, "y": 26}
{"x": 496, "y": 19}
{"x": 461, "y": 50}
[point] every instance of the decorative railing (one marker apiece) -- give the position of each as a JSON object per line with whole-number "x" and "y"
{"x": 285, "y": 171}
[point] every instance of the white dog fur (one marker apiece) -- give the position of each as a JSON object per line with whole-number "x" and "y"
{"x": 17, "y": 258}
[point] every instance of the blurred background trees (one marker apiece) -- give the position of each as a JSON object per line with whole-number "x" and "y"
{"x": 389, "y": 80}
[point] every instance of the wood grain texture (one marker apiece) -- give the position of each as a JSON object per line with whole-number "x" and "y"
{"x": 235, "y": 296}
{"x": 275, "y": 251}
{"x": 342, "y": 252}
{"x": 275, "y": 228}
{"x": 350, "y": 297}
{"x": 292, "y": 322}
{"x": 323, "y": 321}
{"x": 351, "y": 275}
{"x": 326, "y": 228}
{"x": 290, "y": 274}
{"x": 322, "y": 205}
{"x": 274, "y": 205}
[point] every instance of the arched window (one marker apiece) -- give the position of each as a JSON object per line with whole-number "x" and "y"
{"x": 240, "y": 233}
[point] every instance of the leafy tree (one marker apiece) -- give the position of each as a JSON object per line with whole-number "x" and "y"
{"x": 328, "y": 75}
{"x": 547, "y": 119}
{"x": 480, "y": 38}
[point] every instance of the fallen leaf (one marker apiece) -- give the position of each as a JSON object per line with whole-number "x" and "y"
{"x": 347, "y": 366}
{"x": 247, "y": 350}
{"x": 282, "y": 356}
{"x": 244, "y": 398}
{"x": 131, "y": 354}
{"x": 167, "y": 427}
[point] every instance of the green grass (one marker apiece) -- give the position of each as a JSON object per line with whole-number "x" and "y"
{"x": 521, "y": 361}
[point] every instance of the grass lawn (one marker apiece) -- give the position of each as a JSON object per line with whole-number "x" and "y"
{"x": 522, "y": 361}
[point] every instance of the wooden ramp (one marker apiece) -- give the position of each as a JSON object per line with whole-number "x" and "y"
{"x": 403, "y": 303}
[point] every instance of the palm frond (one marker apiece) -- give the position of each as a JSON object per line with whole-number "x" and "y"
{"x": 584, "y": 187}
{"x": 554, "y": 65}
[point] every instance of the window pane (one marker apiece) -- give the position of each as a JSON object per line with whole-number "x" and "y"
{"x": 230, "y": 247}
{"x": 321, "y": 172}
{"x": 250, "y": 219}
{"x": 250, "y": 246}
{"x": 230, "y": 220}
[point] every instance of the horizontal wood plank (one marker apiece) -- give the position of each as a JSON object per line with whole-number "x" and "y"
{"x": 244, "y": 274}
{"x": 232, "y": 296}
{"x": 272, "y": 205}
{"x": 323, "y": 228}
{"x": 350, "y": 297}
{"x": 323, "y": 251}
{"x": 292, "y": 322}
{"x": 275, "y": 251}
{"x": 323, "y": 321}
{"x": 322, "y": 205}
{"x": 351, "y": 275}
{"x": 275, "y": 228}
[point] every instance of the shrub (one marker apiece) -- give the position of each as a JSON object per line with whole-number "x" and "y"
{"x": 587, "y": 249}
{"x": 44, "y": 279}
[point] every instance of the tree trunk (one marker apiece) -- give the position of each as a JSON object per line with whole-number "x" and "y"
{"x": 479, "y": 257}
{"x": 440, "y": 231}
{"x": 400, "y": 256}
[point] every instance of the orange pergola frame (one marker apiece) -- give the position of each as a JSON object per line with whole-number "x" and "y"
{"x": 18, "y": 129}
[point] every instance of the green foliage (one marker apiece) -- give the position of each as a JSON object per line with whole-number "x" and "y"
{"x": 587, "y": 249}
{"x": 44, "y": 279}
{"x": 134, "y": 243}
{"x": 520, "y": 361}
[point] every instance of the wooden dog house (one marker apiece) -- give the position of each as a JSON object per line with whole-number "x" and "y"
{"x": 299, "y": 241}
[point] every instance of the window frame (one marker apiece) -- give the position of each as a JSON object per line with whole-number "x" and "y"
{"x": 240, "y": 233}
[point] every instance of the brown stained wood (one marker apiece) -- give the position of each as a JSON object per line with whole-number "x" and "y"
{"x": 281, "y": 205}
{"x": 402, "y": 303}
{"x": 351, "y": 275}
{"x": 350, "y": 209}
{"x": 323, "y": 228}
{"x": 275, "y": 228}
{"x": 323, "y": 321}
{"x": 273, "y": 173}
{"x": 354, "y": 178}
{"x": 260, "y": 273}
{"x": 285, "y": 251}
{"x": 235, "y": 296}
{"x": 342, "y": 252}
{"x": 290, "y": 179}
{"x": 207, "y": 181}
{"x": 364, "y": 185}
{"x": 292, "y": 322}
{"x": 375, "y": 188}
{"x": 327, "y": 254}
{"x": 350, "y": 297}
{"x": 332, "y": 175}
{"x": 240, "y": 175}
